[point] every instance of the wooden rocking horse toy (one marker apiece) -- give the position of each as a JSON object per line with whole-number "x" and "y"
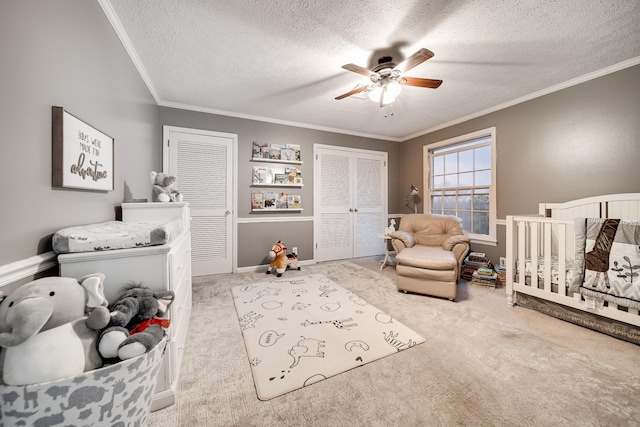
{"x": 280, "y": 260}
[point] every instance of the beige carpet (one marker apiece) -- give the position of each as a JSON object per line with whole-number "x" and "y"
{"x": 483, "y": 364}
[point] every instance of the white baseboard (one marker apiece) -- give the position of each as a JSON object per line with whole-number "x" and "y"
{"x": 262, "y": 268}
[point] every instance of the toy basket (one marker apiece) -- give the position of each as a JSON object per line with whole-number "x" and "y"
{"x": 118, "y": 394}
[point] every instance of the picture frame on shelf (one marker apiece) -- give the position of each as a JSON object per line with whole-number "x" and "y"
{"x": 294, "y": 201}
{"x": 296, "y": 151}
{"x": 262, "y": 175}
{"x": 272, "y": 201}
{"x": 281, "y": 201}
{"x": 276, "y": 152}
{"x": 288, "y": 153}
{"x": 280, "y": 178}
{"x": 257, "y": 200}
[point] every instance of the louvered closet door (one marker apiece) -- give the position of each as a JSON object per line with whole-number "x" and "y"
{"x": 350, "y": 202}
{"x": 370, "y": 202}
{"x": 334, "y": 199}
{"x": 203, "y": 163}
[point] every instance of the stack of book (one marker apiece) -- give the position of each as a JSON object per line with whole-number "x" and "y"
{"x": 484, "y": 277}
{"x": 473, "y": 262}
{"x": 501, "y": 270}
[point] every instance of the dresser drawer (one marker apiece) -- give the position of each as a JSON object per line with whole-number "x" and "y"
{"x": 180, "y": 305}
{"x": 180, "y": 263}
{"x": 176, "y": 350}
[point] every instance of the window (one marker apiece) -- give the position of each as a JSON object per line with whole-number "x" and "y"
{"x": 460, "y": 181}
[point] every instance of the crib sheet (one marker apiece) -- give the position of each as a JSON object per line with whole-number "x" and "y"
{"x": 554, "y": 269}
{"x": 112, "y": 235}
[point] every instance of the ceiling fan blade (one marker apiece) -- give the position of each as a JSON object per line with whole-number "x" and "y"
{"x": 414, "y": 60}
{"x": 417, "y": 81}
{"x": 357, "y": 69}
{"x": 352, "y": 92}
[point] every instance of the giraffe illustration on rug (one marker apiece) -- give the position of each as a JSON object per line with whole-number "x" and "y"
{"x": 598, "y": 258}
{"x": 340, "y": 324}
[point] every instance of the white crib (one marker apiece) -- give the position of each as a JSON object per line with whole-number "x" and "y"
{"x": 541, "y": 250}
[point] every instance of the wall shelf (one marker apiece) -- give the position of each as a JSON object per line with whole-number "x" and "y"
{"x": 278, "y": 210}
{"x": 255, "y": 184}
{"x": 287, "y": 162}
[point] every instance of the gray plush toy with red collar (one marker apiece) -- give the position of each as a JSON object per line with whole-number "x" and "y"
{"x": 136, "y": 324}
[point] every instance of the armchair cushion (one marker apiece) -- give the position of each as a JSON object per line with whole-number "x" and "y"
{"x": 429, "y": 257}
{"x": 431, "y": 230}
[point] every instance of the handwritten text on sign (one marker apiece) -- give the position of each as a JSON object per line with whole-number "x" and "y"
{"x": 88, "y": 156}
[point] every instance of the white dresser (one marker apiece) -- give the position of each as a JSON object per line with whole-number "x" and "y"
{"x": 157, "y": 267}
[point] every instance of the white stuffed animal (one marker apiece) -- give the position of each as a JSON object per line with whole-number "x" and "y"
{"x": 391, "y": 228}
{"x": 46, "y": 331}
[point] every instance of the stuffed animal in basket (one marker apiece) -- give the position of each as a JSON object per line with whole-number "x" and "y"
{"x": 164, "y": 188}
{"x": 50, "y": 327}
{"x": 136, "y": 324}
{"x": 280, "y": 260}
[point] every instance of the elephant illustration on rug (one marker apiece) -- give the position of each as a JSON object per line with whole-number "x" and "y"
{"x": 306, "y": 347}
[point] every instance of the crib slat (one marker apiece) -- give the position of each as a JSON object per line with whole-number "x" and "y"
{"x": 562, "y": 259}
{"x": 521, "y": 252}
{"x": 547, "y": 257}
{"x": 534, "y": 237}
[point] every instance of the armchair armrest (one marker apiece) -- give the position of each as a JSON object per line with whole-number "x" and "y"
{"x": 401, "y": 240}
{"x": 453, "y": 240}
{"x": 459, "y": 245}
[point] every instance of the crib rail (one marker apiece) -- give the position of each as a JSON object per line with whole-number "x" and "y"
{"x": 536, "y": 236}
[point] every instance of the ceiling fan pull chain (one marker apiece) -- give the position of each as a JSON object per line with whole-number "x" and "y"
{"x": 390, "y": 107}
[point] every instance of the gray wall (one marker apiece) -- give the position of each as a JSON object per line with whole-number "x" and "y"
{"x": 578, "y": 142}
{"x": 65, "y": 53}
{"x": 255, "y": 240}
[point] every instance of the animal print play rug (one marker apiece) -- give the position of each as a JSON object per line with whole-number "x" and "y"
{"x": 301, "y": 330}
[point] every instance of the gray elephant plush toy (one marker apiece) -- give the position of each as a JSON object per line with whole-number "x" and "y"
{"x": 49, "y": 328}
{"x": 136, "y": 323}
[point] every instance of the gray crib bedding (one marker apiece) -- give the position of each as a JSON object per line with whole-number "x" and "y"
{"x": 554, "y": 269}
{"x": 112, "y": 235}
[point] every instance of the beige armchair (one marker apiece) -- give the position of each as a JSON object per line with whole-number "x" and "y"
{"x": 430, "y": 250}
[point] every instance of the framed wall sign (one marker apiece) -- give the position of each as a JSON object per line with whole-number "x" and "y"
{"x": 82, "y": 156}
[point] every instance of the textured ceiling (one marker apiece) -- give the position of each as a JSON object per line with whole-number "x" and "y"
{"x": 280, "y": 61}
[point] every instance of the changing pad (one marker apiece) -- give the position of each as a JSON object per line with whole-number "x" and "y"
{"x": 112, "y": 235}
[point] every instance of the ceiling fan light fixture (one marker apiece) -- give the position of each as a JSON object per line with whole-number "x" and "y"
{"x": 394, "y": 89}
{"x": 375, "y": 94}
{"x": 388, "y": 93}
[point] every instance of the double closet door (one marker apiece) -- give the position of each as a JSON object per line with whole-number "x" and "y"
{"x": 350, "y": 202}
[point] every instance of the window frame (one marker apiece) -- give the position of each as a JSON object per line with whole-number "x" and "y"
{"x": 490, "y": 238}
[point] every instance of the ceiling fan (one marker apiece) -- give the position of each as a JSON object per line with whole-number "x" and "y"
{"x": 387, "y": 77}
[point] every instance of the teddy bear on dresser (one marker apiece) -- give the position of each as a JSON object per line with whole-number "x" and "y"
{"x": 164, "y": 188}
{"x": 136, "y": 324}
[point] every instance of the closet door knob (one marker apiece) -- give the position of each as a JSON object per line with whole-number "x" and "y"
{"x": 350, "y": 209}
{"x": 355, "y": 210}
